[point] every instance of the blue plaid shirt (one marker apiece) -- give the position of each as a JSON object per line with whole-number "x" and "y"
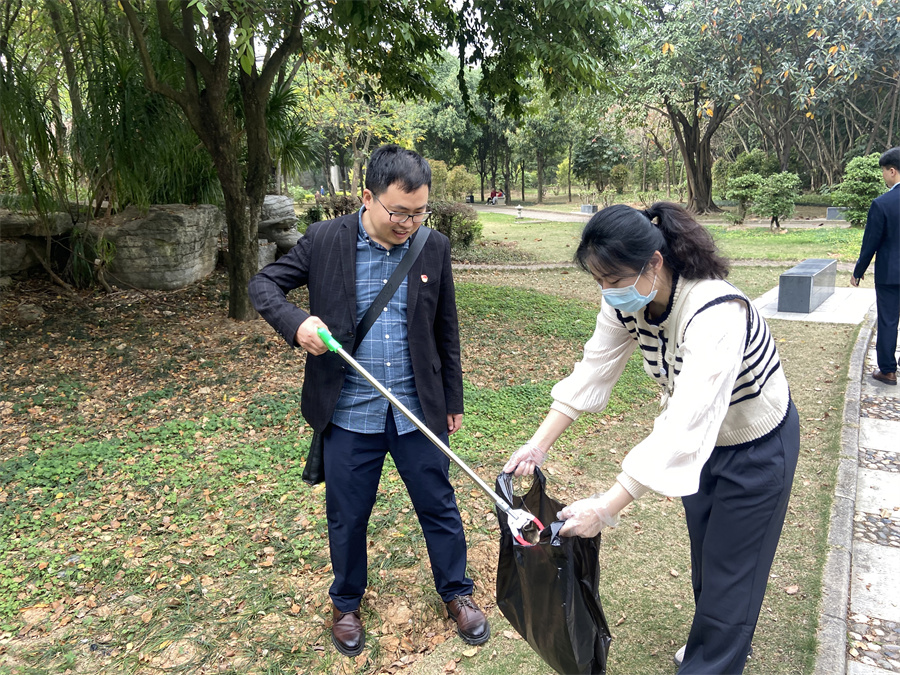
{"x": 384, "y": 352}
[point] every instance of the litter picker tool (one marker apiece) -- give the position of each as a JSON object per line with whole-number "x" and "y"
{"x": 516, "y": 518}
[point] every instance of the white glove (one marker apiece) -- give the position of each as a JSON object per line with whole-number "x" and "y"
{"x": 525, "y": 459}
{"x": 586, "y": 517}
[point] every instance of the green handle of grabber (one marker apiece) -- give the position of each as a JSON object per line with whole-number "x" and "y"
{"x": 329, "y": 341}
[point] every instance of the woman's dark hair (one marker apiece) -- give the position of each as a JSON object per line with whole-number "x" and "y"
{"x": 392, "y": 165}
{"x": 620, "y": 240}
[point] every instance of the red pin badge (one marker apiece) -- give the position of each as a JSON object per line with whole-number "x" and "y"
{"x": 424, "y": 278}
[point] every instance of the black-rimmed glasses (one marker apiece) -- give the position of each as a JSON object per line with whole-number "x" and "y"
{"x": 400, "y": 218}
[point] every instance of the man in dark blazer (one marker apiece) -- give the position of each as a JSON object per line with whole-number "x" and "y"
{"x": 882, "y": 240}
{"x": 412, "y": 348}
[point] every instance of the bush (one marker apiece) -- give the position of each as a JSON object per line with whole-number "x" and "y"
{"x": 743, "y": 189}
{"x": 775, "y": 197}
{"x": 340, "y": 205}
{"x": 439, "y": 173}
{"x": 721, "y": 169}
{"x": 460, "y": 182}
{"x": 755, "y": 161}
{"x": 300, "y": 194}
{"x": 459, "y": 222}
{"x": 814, "y": 200}
{"x": 862, "y": 183}
{"x": 618, "y": 176}
{"x": 312, "y": 215}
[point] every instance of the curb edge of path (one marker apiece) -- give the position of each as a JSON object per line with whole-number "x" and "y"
{"x": 831, "y": 653}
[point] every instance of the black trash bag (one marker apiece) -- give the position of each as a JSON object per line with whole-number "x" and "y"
{"x": 549, "y": 591}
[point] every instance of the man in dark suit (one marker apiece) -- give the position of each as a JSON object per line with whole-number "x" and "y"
{"x": 882, "y": 240}
{"x": 412, "y": 348}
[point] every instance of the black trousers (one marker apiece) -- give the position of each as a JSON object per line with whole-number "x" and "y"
{"x": 887, "y": 302}
{"x": 353, "y": 463}
{"x": 734, "y": 522}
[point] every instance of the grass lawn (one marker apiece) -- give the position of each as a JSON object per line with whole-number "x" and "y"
{"x": 508, "y": 240}
{"x": 153, "y": 517}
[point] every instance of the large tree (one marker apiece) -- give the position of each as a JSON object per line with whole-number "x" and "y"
{"x": 567, "y": 44}
{"x": 795, "y": 63}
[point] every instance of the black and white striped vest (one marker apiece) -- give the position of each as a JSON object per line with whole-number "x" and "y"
{"x": 760, "y": 397}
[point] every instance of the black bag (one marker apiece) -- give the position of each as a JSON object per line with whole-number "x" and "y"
{"x": 314, "y": 469}
{"x": 549, "y": 591}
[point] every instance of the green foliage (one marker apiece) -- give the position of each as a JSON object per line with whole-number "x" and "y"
{"x": 313, "y": 214}
{"x": 618, "y": 177}
{"x": 814, "y": 200}
{"x": 743, "y": 189}
{"x": 339, "y": 205}
{"x": 459, "y": 222}
{"x": 439, "y": 174}
{"x": 862, "y": 183}
{"x": 720, "y": 172}
{"x": 756, "y": 161}
{"x": 300, "y": 194}
{"x": 775, "y": 196}
{"x": 594, "y": 159}
{"x": 460, "y": 182}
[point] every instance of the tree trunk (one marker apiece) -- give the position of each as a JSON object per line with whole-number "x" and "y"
{"x": 540, "y": 177}
{"x": 694, "y": 143}
{"x": 523, "y": 180}
{"x": 569, "y": 174}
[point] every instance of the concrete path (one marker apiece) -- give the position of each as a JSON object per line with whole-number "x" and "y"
{"x": 859, "y": 624}
{"x": 574, "y": 216}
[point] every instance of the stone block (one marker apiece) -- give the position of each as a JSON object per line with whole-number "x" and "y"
{"x": 807, "y": 285}
{"x": 15, "y": 256}
{"x": 169, "y": 247}
{"x": 835, "y": 212}
{"x": 268, "y": 250}
{"x": 14, "y": 224}
{"x": 589, "y": 208}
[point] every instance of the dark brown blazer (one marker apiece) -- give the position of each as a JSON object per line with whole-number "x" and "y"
{"x": 324, "y": 261}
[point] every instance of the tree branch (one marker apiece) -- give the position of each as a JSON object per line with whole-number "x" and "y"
{"x": 153, "y": 82}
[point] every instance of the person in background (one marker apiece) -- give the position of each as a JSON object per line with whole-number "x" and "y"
{"x": 882, "y": 240}
{"x": 412, "y": 348}
{"x": 727, "y": 439}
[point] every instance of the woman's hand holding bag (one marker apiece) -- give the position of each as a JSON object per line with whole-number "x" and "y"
{"x": 524, "y": 460}
{"x": 586, "y": 517}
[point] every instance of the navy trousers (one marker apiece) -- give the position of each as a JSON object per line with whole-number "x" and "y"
{"x": 353, "y": 463}
{"x": 734, "y": 522}
{"x": 887, "y": 302}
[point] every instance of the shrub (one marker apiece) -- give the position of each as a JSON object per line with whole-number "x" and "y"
{"x": 460, "y": 182}
{"x": 439, "y": 173}
{"x": 618, "y": 176}
{"x": 340, "y": 205}
{"x": 862, "y": 183}
{"x": 743, "y": 189}
{"x": 775, "y": 197}
{"x": 721, "y": 169}
{"x": 459, "y": 222}
{"x": 755, "y": 161}
{"x": 312, "y": 215}
{"x": 299, "y": 194}
{"x": 814, "y": 200}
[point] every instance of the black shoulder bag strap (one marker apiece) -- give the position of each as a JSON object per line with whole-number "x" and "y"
{"x": 387, "y": 292}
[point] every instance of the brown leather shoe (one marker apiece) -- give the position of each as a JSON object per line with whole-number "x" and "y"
{"x": 471, "y": 625}
{"x": 347, "y": 632}
{"x": 887, "y": 378}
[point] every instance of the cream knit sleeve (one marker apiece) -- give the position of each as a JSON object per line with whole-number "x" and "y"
{"x": 670, "y": 459}
{"x": 605, "y": 356}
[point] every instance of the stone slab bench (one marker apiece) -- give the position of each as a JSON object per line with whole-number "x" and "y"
{"x": 807, "y": 285}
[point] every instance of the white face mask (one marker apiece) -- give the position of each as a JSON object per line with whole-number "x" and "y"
{"x": 628, "y": 299}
